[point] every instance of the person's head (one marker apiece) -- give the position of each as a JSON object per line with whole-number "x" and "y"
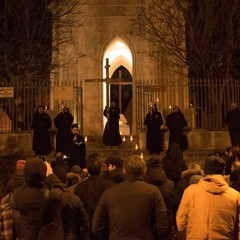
{"x": 113, "y": 104}
{"x": 114, "y": 163}
{"x": 65, "y": 110}
{"x": 235, "y": 165}
{"x": 193, "y": 169}
{"x": 93, "y": 165}
{"x": 174, "y": 151}
{"x": 20, "y": 164}
{"x": 134, "y": 165}
{"x": 40, "y": 109}
{"x": 176, "y": 109}
{"x": 35, "y": 172}
{"x": 74, "y": 129}
{"x": 234, "y": 151}
{"x": 61, "y": 174}
{"x": 233, "y": 105}
{"x": 214, "y": 165}
{"x": 59, "y": 156}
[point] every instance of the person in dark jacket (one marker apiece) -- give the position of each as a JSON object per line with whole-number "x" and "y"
{"x": 63, "y": 122}
{"x": 61, "y": 160}
{"x": 233, "y": 122}
{"x": 154, "y": 121}
{"x": 133, "y": 209}
{"x": 114, "y": 170}
{"x": 41, "y": 137}
{"x": 39, "y": 202}
{"x": 92, "y": 189}
{"x": 155, "y": 175}
{"x": 111, "y": 135}
{"x": 77, "y": 150}
{"x": 173, "y": 163}
{"x": 175, "y": 122}
{"x": 74, "y": 216}
{"x": 232, "y": 157}
{"x": 18, "y": 178}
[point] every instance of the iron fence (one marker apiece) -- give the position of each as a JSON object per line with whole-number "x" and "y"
{"x": 19, "y": 101}
{"x": 204, "y": 102}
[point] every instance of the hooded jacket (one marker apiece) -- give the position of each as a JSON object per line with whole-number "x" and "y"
{"x": 209, "y": 210}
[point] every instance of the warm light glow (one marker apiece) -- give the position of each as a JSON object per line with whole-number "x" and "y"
{"x": 136, "y": 146}
{"x": 170, "y": 107}
{"x": 141, "y": 155}
{"x": 85, "y": 138}
{"x": 120, "y": 133}
{"x": 157, "y": 100}
{"x": 131, "y": 138}
{"x": 123, "y": 139}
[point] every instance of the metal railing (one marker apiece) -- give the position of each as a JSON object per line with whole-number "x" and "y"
{"x": 19, "y": 101}
{"x": 204, "y": 102}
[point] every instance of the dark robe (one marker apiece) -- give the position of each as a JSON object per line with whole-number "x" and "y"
{"x": 233, "y": 122}
{"x": 63, "y": 123}
{"x": 41, "y": 136}
{"x": 111, "y": 135}
{"x": 154, "y": 138}
{"x": 77, "y": 153}
{"x": 176, "y": 122}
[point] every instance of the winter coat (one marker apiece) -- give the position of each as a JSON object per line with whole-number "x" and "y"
{"x": 132, "y": 210}
{"x": 74, "y": 219}
{"x": 209, "y": 210}
{"x": 90, "y": 192}
{"x": 155, "y": 175}
{"x": 29, "y": 199}
{"x": 115, "y": 175}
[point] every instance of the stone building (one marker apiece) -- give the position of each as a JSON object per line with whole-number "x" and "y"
{"x": 105, "y": 48}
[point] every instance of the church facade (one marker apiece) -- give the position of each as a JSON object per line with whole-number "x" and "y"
{"x": 108, "y": 61}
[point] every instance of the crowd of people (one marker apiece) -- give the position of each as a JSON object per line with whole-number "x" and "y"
{"x": 125, "y": 198}
{"x": 122, "y": 198}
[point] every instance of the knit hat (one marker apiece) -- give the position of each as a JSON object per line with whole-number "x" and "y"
{"x": 20, "y": 164}
{"x": 214, "y": 165}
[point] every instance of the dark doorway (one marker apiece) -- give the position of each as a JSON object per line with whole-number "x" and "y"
{"x": 121, "y": 92}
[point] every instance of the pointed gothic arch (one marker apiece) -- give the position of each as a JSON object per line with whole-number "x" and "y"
{"x": 118, "y": 50}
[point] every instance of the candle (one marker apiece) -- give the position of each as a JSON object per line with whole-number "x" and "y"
{"x": 131, "y": 138}
{"x": 170, "y": 106}
{"x": 136, "y": 146}
{"x": 85, "y": 139}
{"x": 141, "y": 155}
{"x": 123, "y": 139}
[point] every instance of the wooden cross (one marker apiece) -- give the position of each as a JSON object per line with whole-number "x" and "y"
{"x": 107, "y": 80}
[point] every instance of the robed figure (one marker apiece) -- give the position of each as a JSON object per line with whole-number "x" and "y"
{"x": 111, "y": 135}
{"x": 41, "y": 137}
{"x": 63, "y": 122}
{"x": 154, "y": 121}
{"x": 77, "y": 151}
{"x": 175, "y": 122}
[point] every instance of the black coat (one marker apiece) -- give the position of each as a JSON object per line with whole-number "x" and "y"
{"x": 41, "y": 136}
{"x": 111, "y": 135}
{"x": 63, "y": 123}
{"x": 155, "y": 175}
{"x": 175, "y": 123}
{"x": 74, "y": 218}
{"x": 132, "y": 209}
{"x": 76, "y": 152}
{"x": 154, "y": 137}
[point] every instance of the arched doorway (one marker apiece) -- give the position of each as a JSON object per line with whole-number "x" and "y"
{"x": 121, "y": 92}
{"x": 120, "y": 88}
